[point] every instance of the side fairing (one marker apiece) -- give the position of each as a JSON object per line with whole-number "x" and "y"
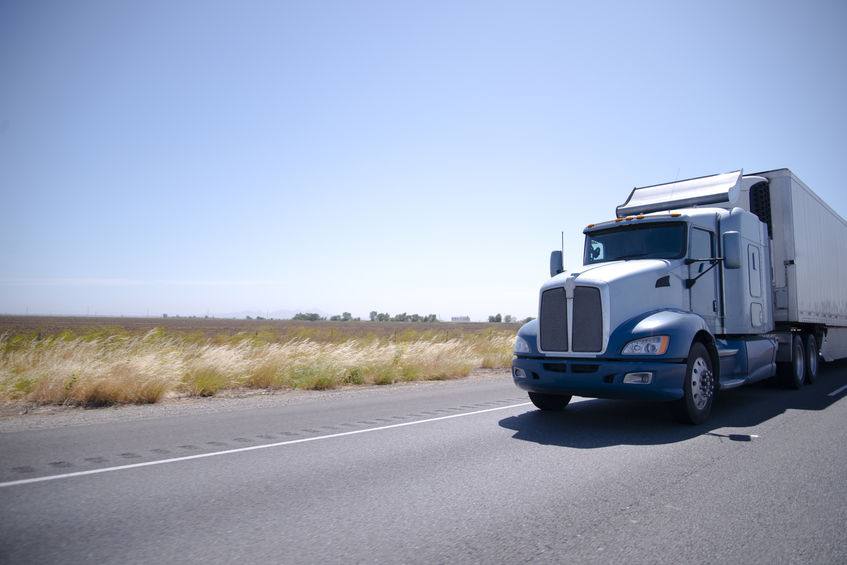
{"x": 748, "y": 303}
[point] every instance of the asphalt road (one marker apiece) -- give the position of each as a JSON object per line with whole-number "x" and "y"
{"x": 454, "y": 472}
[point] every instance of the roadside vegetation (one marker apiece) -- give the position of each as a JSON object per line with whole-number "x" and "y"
{"x": 112, "y": 365}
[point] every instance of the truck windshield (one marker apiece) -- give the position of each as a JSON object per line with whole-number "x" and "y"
{"x": 644, "y": 241}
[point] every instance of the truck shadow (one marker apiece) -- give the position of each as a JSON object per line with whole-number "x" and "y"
{"x": 597, "y": 423}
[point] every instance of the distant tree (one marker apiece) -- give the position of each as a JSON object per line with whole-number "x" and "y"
{"x": 495, "y": 319}
{"x": 403, "y": 317}
{"x": 508, "y": 319}
{"x": 310, "y": 317}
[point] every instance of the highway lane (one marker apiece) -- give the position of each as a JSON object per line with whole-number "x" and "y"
{"x": 129, "y": 435}
{"x": 446, "y": 472}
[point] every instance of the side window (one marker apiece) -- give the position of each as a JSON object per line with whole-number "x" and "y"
{"x": 702, "y": 247}
{"x": 754, "y": 270}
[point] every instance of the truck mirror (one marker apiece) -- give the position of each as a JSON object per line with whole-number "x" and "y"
{"x": 557, "y": 264}
{"x": 732, "y": 250}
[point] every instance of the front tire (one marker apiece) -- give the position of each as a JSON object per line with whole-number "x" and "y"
{"x": 698, "y": 389}
{"x": 549, "y": 402}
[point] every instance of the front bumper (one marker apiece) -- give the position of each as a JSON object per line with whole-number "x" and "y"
{"x": 599, "y": 378}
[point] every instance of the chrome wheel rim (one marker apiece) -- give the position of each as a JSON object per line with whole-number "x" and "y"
{"x": 702, "y": 383}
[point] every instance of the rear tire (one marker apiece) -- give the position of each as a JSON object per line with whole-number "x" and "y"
{"x": 549, "y": 402}
{"x": 812, "y": 359}
{"x": 794, "y": 372}
{"x": 698, "y": 389}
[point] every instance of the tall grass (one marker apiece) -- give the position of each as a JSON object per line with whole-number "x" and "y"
{"x": 103, "y": 369}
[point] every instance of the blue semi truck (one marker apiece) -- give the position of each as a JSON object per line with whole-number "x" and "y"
{"x": 696, "y": 286}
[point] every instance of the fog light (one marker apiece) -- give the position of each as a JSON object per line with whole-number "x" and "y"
{"x": 519, "y": 373}
{"x": 638, "y": 378}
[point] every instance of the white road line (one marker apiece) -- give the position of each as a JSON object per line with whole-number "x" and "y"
{"x": 244, "y": 449}
{"x": 836, "y": 392}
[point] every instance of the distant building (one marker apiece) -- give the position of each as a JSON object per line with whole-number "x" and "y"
{"x": 460, "y": 319}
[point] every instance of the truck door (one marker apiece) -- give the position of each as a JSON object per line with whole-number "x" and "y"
{"x": 704, "y": 292}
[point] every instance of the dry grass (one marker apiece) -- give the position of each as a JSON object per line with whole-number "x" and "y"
{"x": 106, "y": 368}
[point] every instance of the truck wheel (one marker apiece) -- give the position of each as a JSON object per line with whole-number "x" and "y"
{"x": 811, "y": 359}
{"x": 550, "y": 402}
{"x": 794, "y": 372}
{"x": 698, "y": 388}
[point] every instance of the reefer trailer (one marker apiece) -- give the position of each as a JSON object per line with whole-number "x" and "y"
{"x": 696, "y": 286}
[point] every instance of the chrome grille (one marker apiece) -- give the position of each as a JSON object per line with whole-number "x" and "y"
{"x": 587, "y": 320}
{"x": 553, "y": 317}
{"x": 586, "y": 328}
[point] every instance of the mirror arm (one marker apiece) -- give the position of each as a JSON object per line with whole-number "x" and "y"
{"x": 714, "y": 261}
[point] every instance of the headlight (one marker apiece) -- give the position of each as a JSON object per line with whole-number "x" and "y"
{"x": 522, "y": 345}
{"x": 655, "y": 345}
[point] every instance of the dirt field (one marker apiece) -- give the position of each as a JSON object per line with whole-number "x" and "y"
{"x": 280, "y": 329}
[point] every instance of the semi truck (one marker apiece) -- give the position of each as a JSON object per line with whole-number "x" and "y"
{"x": 695, "y": 287}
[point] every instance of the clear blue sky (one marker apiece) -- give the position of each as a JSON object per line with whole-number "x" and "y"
{"x": 202, "y": 157}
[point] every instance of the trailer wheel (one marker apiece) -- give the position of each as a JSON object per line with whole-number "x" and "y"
{"x": 698, "y": 388}
{"x": 549, "y": 402}
{"x": 811, "y": 358}
{"x": 794, "y": 372}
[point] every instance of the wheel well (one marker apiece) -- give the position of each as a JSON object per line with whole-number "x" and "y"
{"x": 787, "y": 331}
{"x": 817, "y": 330}
{"x": 709, "y": 342}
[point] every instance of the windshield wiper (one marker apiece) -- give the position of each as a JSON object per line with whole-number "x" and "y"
{"x": 632, "y": 256}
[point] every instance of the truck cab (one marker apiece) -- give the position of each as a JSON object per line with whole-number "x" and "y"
{"x": 673, "y": 302}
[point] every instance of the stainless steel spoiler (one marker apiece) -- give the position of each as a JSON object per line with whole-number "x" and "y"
{"x": 701, "y": 191}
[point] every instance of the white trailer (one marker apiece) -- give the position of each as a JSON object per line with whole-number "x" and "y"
{"x": 808, "y": 252}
